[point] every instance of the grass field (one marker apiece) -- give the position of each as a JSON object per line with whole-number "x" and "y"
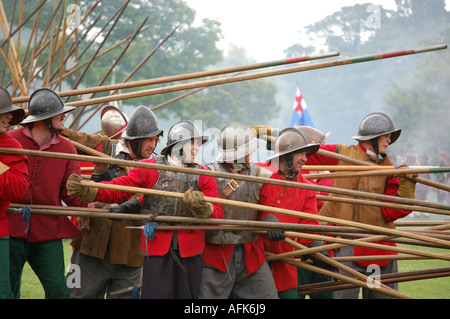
{"x": 438, "y": 288}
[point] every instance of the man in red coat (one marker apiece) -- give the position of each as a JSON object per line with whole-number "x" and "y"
{"x": 39, "y": 239}
{"x": 173, "y": 259}
{"x": 13, "y": 182}
{"x": 234, "y": 261}
{"x": 291, "y": 154}
{"x": 376, "y": 132}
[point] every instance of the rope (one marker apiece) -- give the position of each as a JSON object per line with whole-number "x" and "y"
{"x": 26, "y": 213}
{"x": 136, "y": 292}
{"x": 150, "y": 233}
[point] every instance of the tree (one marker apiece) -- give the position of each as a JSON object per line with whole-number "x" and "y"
{"x": 423, "y": 110}
{"x": 339, "y": 97}
{"x": 190, "y": 49}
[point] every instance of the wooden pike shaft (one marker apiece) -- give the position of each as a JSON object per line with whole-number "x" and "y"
{"x": 445, "y": 226}
{"x": 103, "y": 213}
{"x": 256, "y": 75}
{"x": 380, "y": 257}
{"x": 381, "y": 288}
{"x": 405, "y": 171}
{"x": 382, "y": 204}
{"x": 359, "y": 162}
{"x": 385, "y": 279}
{"x": 140, "y": 64}
{"x": 228, "y": 223}
{"x": 382, "y": 230}
{"x": 256, "y": 179}
{"x": 182, "y": 77}
{"x": 351, "y": 242}
{"x": 342, "y": 277}
{"x": 370, "y": 170}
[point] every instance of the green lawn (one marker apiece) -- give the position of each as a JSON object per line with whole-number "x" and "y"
{"x": 438, "y": 288}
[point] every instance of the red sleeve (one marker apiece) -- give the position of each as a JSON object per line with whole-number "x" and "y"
{"x": 208, "y": 186}
{"x": 14, "y": 182}
{"x": 265, "y": 199}
{"x": 392, "y": 214}
{"x": 136, "y": 177}
{"x": 317, "y": 159}
{"x": 72, "y": 167}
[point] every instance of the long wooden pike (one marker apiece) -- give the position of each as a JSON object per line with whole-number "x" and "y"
{"x": 382, "y": 230}
{"x": 382, "y": 204}
{"x": 293, "y": 230}
{"x": 359, "y": 162}
{"x": 23, "y": 23}
{"x": 91, "y": 60}
{"x": 256, "y": 75}
{"x": 353, "y": 242}
{"x": 189, "y": 76}
{"x": 385, "y": 279}
{"x": 368, "y": 173}
{"x": 380, "y": 288}
{"x": 370, "y": 170}
{"x": 140, "y": 64}
{"x": 256, "y": 179}
{"x": 111, "y": 68}
{"x": 339, "y": 276}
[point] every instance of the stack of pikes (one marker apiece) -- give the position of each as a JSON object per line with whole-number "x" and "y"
{"x": 55, "y": 38}
{"x": 426, "y": 234}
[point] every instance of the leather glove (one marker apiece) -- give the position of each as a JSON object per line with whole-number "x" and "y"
{"x": 74, "y": 188}
{"x": 3, "y": 168}
{"x": 195, "y": 201}
{"x": 274, "y": 235}
{"x": 407, "y": 186}
{"x": 317, "y": 262}
{"x": 132, "y": 206}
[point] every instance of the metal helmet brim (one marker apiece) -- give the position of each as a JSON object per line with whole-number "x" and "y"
{"x": 6, "y": 106}
{"x": 375, "y": 125}
{"x": 47, "y": 104}
{"x": 236, "y": 141}
{"x": 142, "y": 124}
{"x": 229, "y": 156}
{"x": 189, "y": 132}
{"x": 299, "y": 144}
{"x": 113, "y": 125}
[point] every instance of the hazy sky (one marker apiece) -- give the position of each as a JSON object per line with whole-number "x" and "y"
{"x": 266, "y": 28}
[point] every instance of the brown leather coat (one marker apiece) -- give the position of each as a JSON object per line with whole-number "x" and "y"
{"x": 100, "y": 234}
{"x": 366, "y": 214}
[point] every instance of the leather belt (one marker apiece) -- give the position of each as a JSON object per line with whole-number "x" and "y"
{"x": 232, "y": 184}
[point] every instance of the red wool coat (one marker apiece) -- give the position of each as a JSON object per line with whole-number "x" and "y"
{"x": 296, "y": 199}
{"x": 14, "y": 182}
{"x": 190, "y": 242}
{"x": 48, "y": 187}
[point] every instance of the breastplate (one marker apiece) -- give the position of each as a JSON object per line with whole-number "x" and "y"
{"x": 247, "y": 192}
{"x": 173, "y": 182}
{"x": 112, "y": 171}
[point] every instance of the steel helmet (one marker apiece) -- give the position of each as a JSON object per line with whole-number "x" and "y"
{"x": 375, "y": 125}
{"x": 292, "y": 140}
{"x": 113, "y": 121}
{"x": 236, "y": 141}
{"x": 44, "y": 104}
{"x": 313, "y": 135}
{"x": 142, "y": 123}
{"x": 182, "y": 131}
{"x": 6, "y": 106}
